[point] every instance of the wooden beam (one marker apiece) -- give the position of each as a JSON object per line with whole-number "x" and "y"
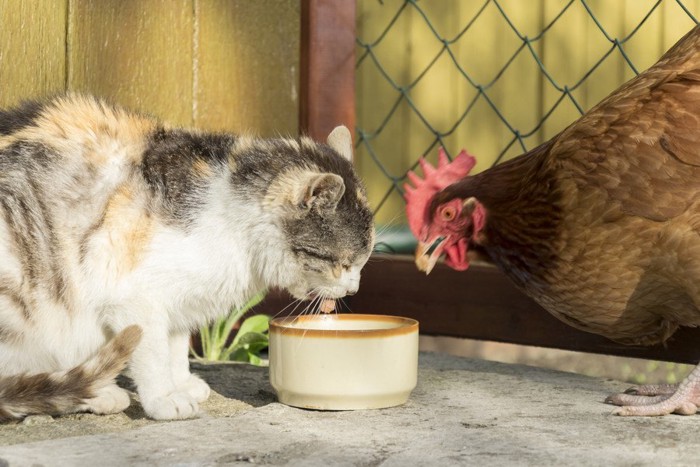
{"x": 483, "y": 304}
{"x": 327, "y": 87}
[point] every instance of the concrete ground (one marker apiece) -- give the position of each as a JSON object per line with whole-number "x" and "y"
{"x": 463, "y": 412}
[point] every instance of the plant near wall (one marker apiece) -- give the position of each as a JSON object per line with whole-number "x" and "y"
{"x": 245, "y": 346}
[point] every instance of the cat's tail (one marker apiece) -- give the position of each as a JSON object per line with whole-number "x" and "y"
{"x": 67, "y": 391}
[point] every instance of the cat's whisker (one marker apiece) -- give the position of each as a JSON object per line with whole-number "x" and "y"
{"x": 323, "y": 297}
{"x": 382, "y": 229}
{"x": 312, "y": 296}
{"x": 392, "y": 222}
{"x": 395, "y": 220}
{"x": 343, "y": 304}
{"x": 296, "y": 302}
{"x": 307, "y": 311}
{"x": 316, "y": 304}
{"x": 300, "y": 303}
{"x": 378, "y": 256}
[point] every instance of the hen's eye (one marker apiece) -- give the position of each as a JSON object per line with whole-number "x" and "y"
{"x": 448, "y": 213}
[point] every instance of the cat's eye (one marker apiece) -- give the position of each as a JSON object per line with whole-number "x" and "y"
{"x": 312, "y": 268}
{"x": 315, "y": 254}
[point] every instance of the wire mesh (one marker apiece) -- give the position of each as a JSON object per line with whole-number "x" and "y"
{"x": 389, "y": 91}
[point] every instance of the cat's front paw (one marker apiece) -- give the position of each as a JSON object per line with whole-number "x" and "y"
{"x": 109, "y": 399}
{"x": 176, "y": 405}
{"x": 196, "y": 388}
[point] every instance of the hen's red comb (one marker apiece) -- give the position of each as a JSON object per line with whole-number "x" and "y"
{"x": 446, "y": 173}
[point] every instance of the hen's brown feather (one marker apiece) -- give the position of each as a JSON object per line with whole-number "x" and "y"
{"x": 601, "y": 224}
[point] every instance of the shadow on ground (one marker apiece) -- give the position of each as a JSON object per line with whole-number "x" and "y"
{"x": 238, "y": 381}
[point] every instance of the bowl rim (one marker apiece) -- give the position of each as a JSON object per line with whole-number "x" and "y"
{"x": 403, "y": 325}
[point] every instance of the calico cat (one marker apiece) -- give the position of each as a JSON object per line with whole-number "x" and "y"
{"x": 120, "y": 235}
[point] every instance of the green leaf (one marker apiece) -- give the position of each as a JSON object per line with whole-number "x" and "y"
{"x": 242, "y": 355}
{"x": 215, "y": 336}
{"x": 251, "y": 338}
{"x": 257, "y": 361}
{"x": 252, "y": 342}
{"x": 258, "y": 324}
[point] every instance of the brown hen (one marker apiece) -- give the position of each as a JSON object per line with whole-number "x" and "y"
{"x": 600, "y": 225}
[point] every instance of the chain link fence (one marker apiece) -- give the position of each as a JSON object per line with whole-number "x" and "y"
{"x": 497, "y": 77}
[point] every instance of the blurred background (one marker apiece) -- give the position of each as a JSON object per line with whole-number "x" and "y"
{"x": 497, "y": 77}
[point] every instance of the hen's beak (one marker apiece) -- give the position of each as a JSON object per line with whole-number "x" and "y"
{"x": 425, "y": 261}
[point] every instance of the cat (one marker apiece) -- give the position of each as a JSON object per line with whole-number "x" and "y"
{"x": 119, "y": 235}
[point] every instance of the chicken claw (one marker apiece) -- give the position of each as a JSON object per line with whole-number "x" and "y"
{"x": 651, "y": 400}
{"x": 652, "y": 390}
{"x": 645, "y": 394}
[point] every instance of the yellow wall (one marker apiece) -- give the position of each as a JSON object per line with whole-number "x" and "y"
{"x": 523, "y": 94}
{"x": 215, "y": 64}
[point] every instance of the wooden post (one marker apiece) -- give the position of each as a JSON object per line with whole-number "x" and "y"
{"x": 327, "y": 87}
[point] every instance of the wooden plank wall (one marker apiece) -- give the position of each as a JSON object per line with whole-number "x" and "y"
{"x": 215, "y": 64}
{"x": 522, "y": 93}
{"x": 32, "y": 59}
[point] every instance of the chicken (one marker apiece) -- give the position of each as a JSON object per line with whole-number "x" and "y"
{"x": 600, "y": 225}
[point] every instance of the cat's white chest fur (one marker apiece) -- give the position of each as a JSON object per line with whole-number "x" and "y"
{"x": 198, "y": 274}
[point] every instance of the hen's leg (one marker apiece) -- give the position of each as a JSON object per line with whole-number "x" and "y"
{"x": 685, "y": 400}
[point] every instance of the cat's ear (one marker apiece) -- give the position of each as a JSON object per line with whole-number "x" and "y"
{"x": 303, "y": 190}
{"x": 340, "y": 140}
{"x": 322, "y": 191}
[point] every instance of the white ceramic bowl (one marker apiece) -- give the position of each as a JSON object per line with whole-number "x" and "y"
{"x": 343, "y": 361}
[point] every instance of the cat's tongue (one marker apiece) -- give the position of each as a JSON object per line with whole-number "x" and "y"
{"x": 327, "y": 305}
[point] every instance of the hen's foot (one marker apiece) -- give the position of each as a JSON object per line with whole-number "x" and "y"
{"x": 650, "y": 400}
{"x": 653, "y": 390}
{"x": 646, "y": 394}
{"x": 628, "y": 399}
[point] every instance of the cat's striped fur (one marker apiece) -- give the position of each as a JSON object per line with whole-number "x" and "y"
{"x": 71, "y": 390}
{"x": 109, "y": 218}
